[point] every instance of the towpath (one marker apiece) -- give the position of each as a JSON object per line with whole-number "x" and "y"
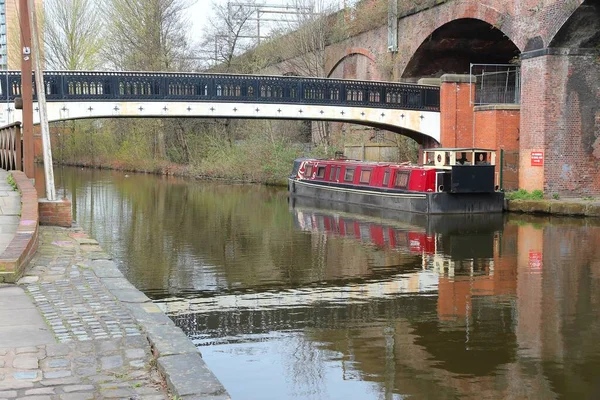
{"x": 74, "y": 328}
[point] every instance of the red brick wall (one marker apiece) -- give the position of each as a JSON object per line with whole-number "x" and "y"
{"x": 19, "y": 251}
{"x": 456, "y": 109}
{"x": 56, "y": 213}
{"x": 560, "y": 115}
{"x": 497, "y": 128}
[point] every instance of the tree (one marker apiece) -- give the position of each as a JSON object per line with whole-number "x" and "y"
{"x": 73, "y": 34}
{"x": 147, "y": 35}
{"x": 229, "y": 33}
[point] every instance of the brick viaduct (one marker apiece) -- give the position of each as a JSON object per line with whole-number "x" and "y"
{"x": 557, "y": 44}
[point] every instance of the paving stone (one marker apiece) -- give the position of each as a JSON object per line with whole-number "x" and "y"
{"x": 116, "y": 393}
{"x": 135, "y": 353}
{"x": 168, "y": 340}
{"x": 78, "y": 388}
{"x": 85, "y": 371}
{"x": 58, "y": 363}
{"x": 25, "y": 362}
{"x": 15, "y": 385}
{"x": 37, "y": 398}
{"x": 57, "y": 374}
{"x": 77, "y": 396}
{"x": 137, "y": 363}
{"x": 8, "y": 394}
{"x": 111, "y": 362}
{"x": 24, "y": 350}
{"x": 25, "y": 375}
{"x": 28, "y": 280}
{"x": 38, "y": 391}
{"x": 59, "y": 381}
{"x": 187, "y": 374}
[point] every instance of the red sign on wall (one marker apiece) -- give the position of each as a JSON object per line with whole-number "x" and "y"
{"x": 535, "y": 261}
{"x": 537, "y": 158}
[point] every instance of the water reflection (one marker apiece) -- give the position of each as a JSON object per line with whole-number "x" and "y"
{"x": 322, "y": 301}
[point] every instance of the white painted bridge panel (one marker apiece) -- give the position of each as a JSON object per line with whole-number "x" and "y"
{"x": 410, "y": 122}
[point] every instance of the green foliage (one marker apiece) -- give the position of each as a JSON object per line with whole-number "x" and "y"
{"x": 556, "y": 196}
{"x": 523, "y": 194}
{"x": 11, "y": 181}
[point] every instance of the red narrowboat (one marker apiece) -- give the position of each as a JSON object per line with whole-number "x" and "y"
{"x": 450, "y": 181}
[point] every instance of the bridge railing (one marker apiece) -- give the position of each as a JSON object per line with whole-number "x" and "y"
{"x": 149, "y": 86}
{"x": 11, "y": 147}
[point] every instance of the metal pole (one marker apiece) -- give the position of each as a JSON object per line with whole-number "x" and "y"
{"x": 41, "y": 97}
{"x": 26, "y": 89}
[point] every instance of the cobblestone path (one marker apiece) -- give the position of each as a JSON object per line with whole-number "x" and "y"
{"x": 100, "y": 352}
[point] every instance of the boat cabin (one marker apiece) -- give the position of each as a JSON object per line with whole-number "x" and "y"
{"x": 445, "y": 158}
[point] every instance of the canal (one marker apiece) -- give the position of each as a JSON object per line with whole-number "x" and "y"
{"x": 318, "y": 301}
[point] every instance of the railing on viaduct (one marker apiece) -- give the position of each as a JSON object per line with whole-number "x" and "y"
{"x": 72, "y": 86}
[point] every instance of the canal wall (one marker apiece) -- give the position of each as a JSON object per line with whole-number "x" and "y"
{"x": 567, "y": 207}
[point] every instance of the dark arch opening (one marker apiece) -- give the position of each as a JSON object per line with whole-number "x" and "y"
{"x": 451, "y": 49}
{"x": 582, "y": 30}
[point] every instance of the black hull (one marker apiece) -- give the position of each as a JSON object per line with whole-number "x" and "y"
{"x": 415, "y": 202}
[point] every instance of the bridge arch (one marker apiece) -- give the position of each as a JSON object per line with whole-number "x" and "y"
{"x": 350, "y": 52}
{"x": 581, "y": 30}
{"x": 454, "y": 45}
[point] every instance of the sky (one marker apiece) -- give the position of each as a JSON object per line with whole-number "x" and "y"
{"x": 199, "y": 11}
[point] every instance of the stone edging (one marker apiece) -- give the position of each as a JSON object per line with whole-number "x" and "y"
{"x": 25, "y": 242}
{"x": 555, "y": 207}
{"x": 179, "y": 361}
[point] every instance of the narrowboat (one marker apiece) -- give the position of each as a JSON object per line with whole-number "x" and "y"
{"x": 449, "y": 181}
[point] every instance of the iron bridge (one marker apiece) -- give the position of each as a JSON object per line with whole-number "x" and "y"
{"x": 412, "y": 110}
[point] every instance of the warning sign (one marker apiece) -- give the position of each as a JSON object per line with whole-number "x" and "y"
{"x": 535, "y": 261}
{"x": 537, "y": 158}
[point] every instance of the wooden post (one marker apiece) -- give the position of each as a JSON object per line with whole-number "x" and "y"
{"x": 41, "y": 98}
{"x": 26, "y": 89}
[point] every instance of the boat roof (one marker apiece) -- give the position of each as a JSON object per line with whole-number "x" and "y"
{"x": 458, "y": 149}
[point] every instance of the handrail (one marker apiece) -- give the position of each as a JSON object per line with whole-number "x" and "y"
{"x": 176, "y": 86}
{"x": 11, "y": 147}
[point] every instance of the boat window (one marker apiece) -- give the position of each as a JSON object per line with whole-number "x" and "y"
{"x": 332, "y": 174}
{"x": 337, "y": 174}
{"x": 308, "y": 171}
{"x": 386, "y": 177}
{"x": 349, "y": 175}
{"x": 365, "y": 176}
{"x": 402, "y": 179}
{"x": 321, "y": 172}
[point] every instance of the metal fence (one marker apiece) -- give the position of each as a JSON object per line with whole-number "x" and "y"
{"x": 496, "y": 83}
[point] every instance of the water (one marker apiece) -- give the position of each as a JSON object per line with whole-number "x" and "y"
{"x": 321, "y": 301}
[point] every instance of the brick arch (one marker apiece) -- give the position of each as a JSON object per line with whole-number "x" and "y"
{"x": 466, "y": 9}
{"x": 351, "y": 52}
{"x": 580, "y": 30}
{"x": 423, "y": 25}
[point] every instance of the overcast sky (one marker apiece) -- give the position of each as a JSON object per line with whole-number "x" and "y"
{"x": 200, "y": 11}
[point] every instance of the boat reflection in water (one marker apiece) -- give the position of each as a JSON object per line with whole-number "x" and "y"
{"x": 458, "y": 252}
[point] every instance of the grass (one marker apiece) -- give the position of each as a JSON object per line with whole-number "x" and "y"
{"x": 11, "y": 181}
{"x": 523, "y": 194}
